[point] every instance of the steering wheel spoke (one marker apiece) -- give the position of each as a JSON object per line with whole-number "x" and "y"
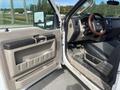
{"x": 96, "y": 25}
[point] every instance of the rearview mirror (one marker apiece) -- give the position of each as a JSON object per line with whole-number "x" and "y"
{"x": 112, "y": 2}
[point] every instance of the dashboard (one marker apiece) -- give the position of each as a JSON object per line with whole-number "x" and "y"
{"x": 113, "y": 23}
{"x": 79, "y": 29}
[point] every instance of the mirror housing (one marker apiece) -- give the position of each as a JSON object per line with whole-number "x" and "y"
{"x": 112, "y": 2}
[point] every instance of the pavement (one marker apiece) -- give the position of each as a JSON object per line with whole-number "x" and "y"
{"x": 59, "y": 80}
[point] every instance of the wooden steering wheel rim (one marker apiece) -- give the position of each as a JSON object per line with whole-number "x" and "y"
{"x": 90, "y": 20}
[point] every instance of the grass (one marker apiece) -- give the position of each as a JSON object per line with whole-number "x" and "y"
{"x": 19, "y": 19}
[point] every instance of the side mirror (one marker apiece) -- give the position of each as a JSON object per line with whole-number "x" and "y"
{"x": 39, "y": 19}
{"x": 112, "y": 2}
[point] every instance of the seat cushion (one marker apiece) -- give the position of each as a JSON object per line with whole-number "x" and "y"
{"x": 100, "y": 50}
{"x": 109, "y": 51}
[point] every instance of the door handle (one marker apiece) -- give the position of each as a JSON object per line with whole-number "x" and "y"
{"x": 39, "y": 38}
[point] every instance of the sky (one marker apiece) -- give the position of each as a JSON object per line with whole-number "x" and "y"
{"x": 71, "y": 2}
{"x": 19, "y": 3}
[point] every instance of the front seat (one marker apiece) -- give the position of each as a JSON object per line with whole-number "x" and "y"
{"x": 108, "y": 51}
{"x": 101, "y": 50}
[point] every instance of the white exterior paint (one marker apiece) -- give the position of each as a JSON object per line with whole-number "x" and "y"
{"x": 88, "y": 83}
{"x": 81, "y": 77}
{"x": 3, "y": 85}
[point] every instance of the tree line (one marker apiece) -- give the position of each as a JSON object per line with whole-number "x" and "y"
{"x": 104, "y": 9}
{"x": 43, "y": 5}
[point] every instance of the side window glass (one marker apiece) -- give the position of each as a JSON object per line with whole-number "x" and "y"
{"x": 5, "y": 16}
{"x": 26, "y": 13}
{"x": 18, "y": 13}
{"x": 44, "y": 15}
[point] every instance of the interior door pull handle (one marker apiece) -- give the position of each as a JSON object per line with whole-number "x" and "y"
{"x": 41, "y": 39}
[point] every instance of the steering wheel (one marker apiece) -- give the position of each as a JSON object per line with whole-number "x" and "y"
{"x": 96, "y": 24}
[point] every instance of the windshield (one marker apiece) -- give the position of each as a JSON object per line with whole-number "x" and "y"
{"x": 101, "y": 7}
{"x": 65, "y": 6}
{"x": 85, "y": 6}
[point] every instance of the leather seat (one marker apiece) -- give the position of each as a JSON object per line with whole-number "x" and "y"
{"x": 101, "y": 50}
{"x": 109, "y": 51}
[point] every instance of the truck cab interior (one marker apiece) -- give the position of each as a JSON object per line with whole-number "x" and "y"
{"x": 34, "y": 42}
{"x": 94, "y": 45}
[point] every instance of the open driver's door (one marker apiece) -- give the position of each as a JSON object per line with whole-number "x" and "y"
{"x": 28, "y": 54}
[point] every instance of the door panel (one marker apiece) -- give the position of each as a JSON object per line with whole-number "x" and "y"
{"x": 29, "y": 55}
